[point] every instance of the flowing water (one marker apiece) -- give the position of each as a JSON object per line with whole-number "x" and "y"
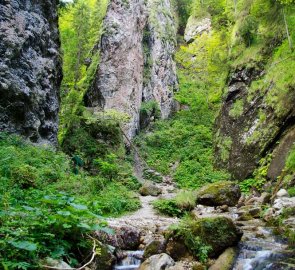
{"x": 263, "y": 253}
{"x": 131, "y": 261}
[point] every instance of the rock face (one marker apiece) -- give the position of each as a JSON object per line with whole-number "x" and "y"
{"x": 30, "y": 69}
{"x": 136, "y": 65}
{"x": 250, "y": 126}
{"x": 256, "y": 119}
{"x": 218, "y": 194}
{"x": 196, "y": 26}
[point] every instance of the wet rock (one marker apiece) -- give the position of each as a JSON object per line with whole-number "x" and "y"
{"x": 150, "y": 188}
{"x": 30, "y": 69}
{"x": 282, "y": 193}
{"x": 219, "y": 193}
{"x": 225, "y": 261}
{"x": 195, "y": 27}
{"x": 153, "y": 248}
{"x": 125, "y": 237}
{"x": 157, "y": 262}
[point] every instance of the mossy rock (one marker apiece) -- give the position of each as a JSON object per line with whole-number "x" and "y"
{"x": 153, "y": 248}
{"x": 218, "y": 233}
{"x": 105, "y": 260}
{"x": 225, "y": 261}
{"x": 149, "y": 188}
{"x": 220, "y": 193}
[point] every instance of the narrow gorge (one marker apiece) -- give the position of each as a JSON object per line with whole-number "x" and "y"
{"x": 147, "y": 134}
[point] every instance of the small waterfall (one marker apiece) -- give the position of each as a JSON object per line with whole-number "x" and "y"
{"x": 131, "y": 261}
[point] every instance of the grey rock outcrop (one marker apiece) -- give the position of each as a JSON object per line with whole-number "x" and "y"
{"x": 30, "y": 69}
{"x": 249, "y": 126}
{"x": 136, "y": 60}
{"x": 196, "y": 26}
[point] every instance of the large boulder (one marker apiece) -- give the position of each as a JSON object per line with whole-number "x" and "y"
{"x": 150, "y": 188}
{"x": 125, "y": 237}
{"x": 157, "y": 262}
{"x": 214, "y": 233}
{"x": 218, "y": 194}
{"x": 30, "y": 69}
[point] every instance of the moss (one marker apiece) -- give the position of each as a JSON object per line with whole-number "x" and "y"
{"x": 220, "y": 193}
{"x": 237, "y": 109}
{"x": 218, "y": 233}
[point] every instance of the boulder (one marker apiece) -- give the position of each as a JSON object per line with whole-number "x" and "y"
{"x": 153, "y": 248}
{"x": 218, "y": 233}
{"x": 195, "y": 27}
{"x": 225, "y": 261}
{"x": 218, "y": 194}
{"x": 177, "y": 249}
{"x": 282, "y": 193}
{"x": 150, "y": 188}
{"x": 157, "y": 262}
{"x": 105, "y": 260}
{"x": 125, "y": 237}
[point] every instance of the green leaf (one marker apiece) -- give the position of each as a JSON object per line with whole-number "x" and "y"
{"x": 64, "y": 213}
{"x": 79, "y": 206}
{"x": 26, "y": 245}
{"x": 67, "y": 226}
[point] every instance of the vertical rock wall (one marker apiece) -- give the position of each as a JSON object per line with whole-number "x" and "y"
{"x": 30, "y": 69}
{"x": 136, "y": 60}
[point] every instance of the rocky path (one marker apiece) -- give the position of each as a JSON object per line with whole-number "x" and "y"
{"x": 146, "y": 219}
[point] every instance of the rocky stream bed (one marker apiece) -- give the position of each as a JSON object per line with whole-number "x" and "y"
{"x": 259, "y": 248}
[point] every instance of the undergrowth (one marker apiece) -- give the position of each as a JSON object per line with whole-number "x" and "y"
{"x": 48, "y": 207}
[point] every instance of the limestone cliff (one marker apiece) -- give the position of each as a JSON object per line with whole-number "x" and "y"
{"x": 136, "y": 60}
{"x": 30, "y": 69}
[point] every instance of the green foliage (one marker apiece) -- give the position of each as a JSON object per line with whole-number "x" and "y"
{"x": 237, "y": 109}
{"x": 248, "y": 184}
{"x": 247, "y": 29}
{"x": 168, "y": 207}
{"x": 291, "y": 191}
{"x": 290, "y": 163}
{"x": 150, "y": 108}
{"x": 186, "y": 139}
{"x": 194, "y": 242}
{"x": 81, "y": 26}
{"x": 183, "y": 202}
{"x": 47, "y": 210}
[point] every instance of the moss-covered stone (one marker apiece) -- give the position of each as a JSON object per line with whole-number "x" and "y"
{"x": 220, "y": 193}
{"x": 225, "y": 260}
{"x": 149, "y": 188}
{"x": 215, "y": 233}
{"x": 153, "y": 248}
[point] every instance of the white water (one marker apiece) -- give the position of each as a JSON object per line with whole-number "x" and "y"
{"x": 132, "y": 261}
